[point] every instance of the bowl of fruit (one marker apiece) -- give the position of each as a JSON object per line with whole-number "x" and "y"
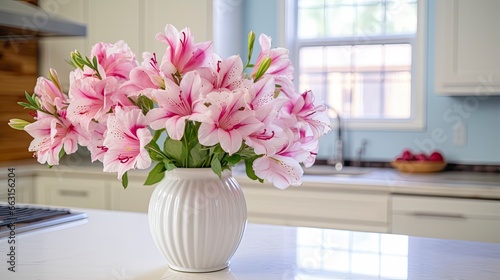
{"x": 410, "y": 162}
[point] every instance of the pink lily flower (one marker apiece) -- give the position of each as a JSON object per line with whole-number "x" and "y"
{"x": 229, "y": 74}
{"x": 303, "y": 109}
{"x": 283, "y": 168}
{"x": 116, "y": 60}
{"x": 266, "y": 108}
{"x": 182, "y": 54}
{"x": 96, "y": 143}
{"x": 279, "y": 170}
{"x": 91, "y": 100}
{"x": 308, "y": 143}
{"x": 227, "y": 120}
{"x": 177, "y": 104}
{"x": 50, "y": 135}
{"x": 281, "y": 68}
{"x": 145, "y": 79}
{"x": 50, "y": 94}
{"x": 125, "y": 142}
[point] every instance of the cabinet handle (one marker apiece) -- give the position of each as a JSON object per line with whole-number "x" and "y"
{"x": 439, "y": 215}
{"x": 73, "y": 193}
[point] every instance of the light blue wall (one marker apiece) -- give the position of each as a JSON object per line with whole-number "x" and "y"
{"x": 481, "y": 116}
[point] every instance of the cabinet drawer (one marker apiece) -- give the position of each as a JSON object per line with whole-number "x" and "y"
{"x": 452, "y": 218}
{"x": 73, "y": 192}
{"x": 328, "y": 209}
{"x": 466, "y": 207}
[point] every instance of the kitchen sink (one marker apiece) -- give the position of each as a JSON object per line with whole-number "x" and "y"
{"x": 330, "y": 170}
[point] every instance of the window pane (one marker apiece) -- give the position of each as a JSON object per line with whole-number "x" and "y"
{"x": 401, "y": 16}
{"x": 338, "y": 58}
{"x": 398, "y": 55}
{"x": 315, "y": 82}
{"x": 368, "y": 58}
{"x": 310, "y": 19}
{"x": 344, "y": 18}
{"x": 362, "y": 81}
{"x": 367, "y": 96}
{"x": 370, "y": 18}
{"x": 340, "y": 20}
{"x": 398, "y": 95}
{"x": 311, "y": 58}
{"x": 318, "y": 4}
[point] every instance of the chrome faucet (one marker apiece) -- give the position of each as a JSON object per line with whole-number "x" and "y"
{"x": 337, "y": 159}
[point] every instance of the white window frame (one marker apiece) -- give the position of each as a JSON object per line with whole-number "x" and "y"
{"x": 287, "y": 25}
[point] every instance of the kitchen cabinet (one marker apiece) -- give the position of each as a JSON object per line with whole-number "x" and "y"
{"x": 467, "y": 41}
{"x": 134, "y": 199}
{"x": 23, "y": 189}
{"x": 134, "y": 21}
{"x": 72, "y": 187}
{"x": 446, "y": 217}
{"x": 72, "y": 191}
{"x": 316, "y": 207}
{"x": 386, "y": 203}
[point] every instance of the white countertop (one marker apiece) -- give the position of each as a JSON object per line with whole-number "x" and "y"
{"x": 118, "y": 245}
{"x": 387, "y": 180}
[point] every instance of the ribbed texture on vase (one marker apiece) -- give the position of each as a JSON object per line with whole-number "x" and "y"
{"x": 196, "y": 219}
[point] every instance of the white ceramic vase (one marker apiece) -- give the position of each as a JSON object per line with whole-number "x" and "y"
{"x": 196, "y": 219}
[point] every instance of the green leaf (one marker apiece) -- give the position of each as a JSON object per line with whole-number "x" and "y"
{"x": 154, "y": 151}
{"x": 94, "y": 62}
{"x": 27, "y": 106}
{"x": 145, "y": 104}
{"x": 156, "y": 174}
{"x": 173, "y": 150}
{"x": 61, "y": 153}
{"x": 249, "y": 170}
{"x": 157, "y": 134}
{"x": 233, "y": 159}
{"x": 218, "y": 149}
{"x": 216, "y": 166}
{"x": 198, "y": 155}
{"x": 29, "y": 97}
{"x": 76, "y": 59}
{"x": 169, "y": 165}
{"x": 125, "y": 180}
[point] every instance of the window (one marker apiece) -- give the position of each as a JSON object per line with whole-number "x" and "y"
{"x": 363, "y": 57}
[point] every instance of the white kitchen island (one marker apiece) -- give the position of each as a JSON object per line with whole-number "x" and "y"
{"x": 118, "y": 245}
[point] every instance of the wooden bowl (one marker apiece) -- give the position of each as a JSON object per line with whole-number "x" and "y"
{"x": 419, "y": 166}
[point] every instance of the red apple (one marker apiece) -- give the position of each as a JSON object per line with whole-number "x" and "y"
{"x": 407, "y": 155}
{"x": 421, "y": 157}
{"x": 436, "y": 156}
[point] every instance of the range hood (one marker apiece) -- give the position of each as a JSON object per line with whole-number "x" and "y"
{"x": 23, "y": 21}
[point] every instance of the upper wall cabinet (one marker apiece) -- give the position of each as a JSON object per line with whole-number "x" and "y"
{"x": 134, "y": 21}
{"x": 467, "y": 47}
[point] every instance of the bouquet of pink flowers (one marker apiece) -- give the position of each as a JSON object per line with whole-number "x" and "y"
{"x": 191, "y": 109}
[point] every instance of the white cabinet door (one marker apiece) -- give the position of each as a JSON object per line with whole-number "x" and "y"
{"x": 467, "y": 47}
{"x": 443, "y": 217}
{"x": 134, "y": 198}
